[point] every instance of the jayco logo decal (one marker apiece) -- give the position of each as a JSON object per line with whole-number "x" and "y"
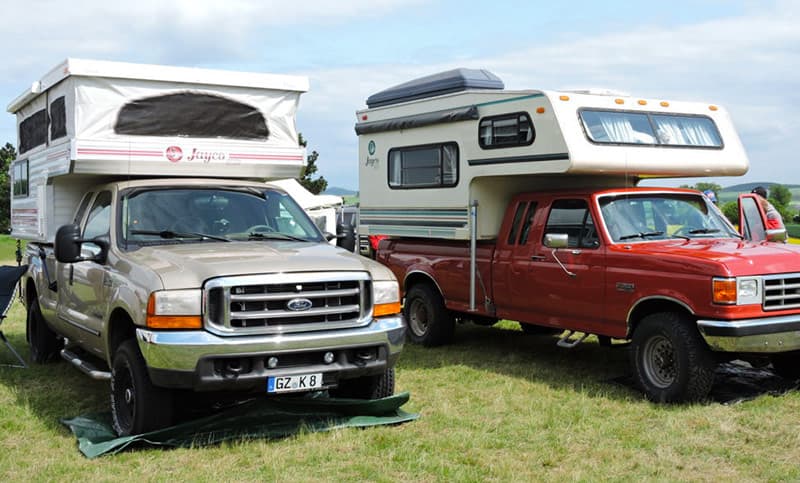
{"x": 174, "y": 154}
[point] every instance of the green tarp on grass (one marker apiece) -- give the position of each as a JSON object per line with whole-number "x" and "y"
{"x": 268, "y": 418}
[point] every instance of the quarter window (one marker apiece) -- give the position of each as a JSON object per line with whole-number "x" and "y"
{"x": 506, "y": 131}
{"x": 98, "y": 223}
{"x": 432, "y": 166}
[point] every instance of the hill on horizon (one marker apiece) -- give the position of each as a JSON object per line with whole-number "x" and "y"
{"x": 333, "y": 190}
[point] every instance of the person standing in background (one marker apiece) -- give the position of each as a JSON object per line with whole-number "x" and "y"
{"x": 774, "y": 219}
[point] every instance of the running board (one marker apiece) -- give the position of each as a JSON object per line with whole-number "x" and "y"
{"x": 85, "y": 366}
{"x": 567, "y": 343}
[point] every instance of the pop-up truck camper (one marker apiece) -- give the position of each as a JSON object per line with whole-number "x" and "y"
{"x": 524, "y": 205}
{"x": 161, "y": 261}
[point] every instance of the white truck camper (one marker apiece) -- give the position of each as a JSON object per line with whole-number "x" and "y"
{"x": 159, "y": 259}
{"x": 431, "y": 148}
{"x": 86, "y": 121}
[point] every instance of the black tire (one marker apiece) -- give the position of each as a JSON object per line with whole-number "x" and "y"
{"x": 136, "y": 405}
{"x": 44, "y": 343}
{"x": 533, "y": 329}
{"x": 670, "y": 360}
{"x": 367, "y": 387}
{"x": 786, "y": 364}
{"x": 429, "y": 321}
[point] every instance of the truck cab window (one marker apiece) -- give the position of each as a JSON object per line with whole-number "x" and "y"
{"x": 512, "y": 236}
{"x": 98, "y": 222}
{"x": 526, "y": 227}
{"x": 572, "y": 217}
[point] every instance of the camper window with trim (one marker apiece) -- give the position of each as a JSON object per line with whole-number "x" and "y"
{"x": 20, "y": 173}
{"x": 431, "y": 166}
{"x": 506, "y": 131}
{"x": 624, "y": 127}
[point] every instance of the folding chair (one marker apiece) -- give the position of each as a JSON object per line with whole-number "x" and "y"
{"x": 9, "y": 278}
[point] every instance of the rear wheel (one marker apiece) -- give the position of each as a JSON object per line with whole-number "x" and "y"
{"x": 367, "y": 387}
{"x": 429, "y": 321}
{"x": 670, "y": 360}
{"x": 44, "y": 343}
{"x": 786, "y": 364}
{"x": 136, "y": 405}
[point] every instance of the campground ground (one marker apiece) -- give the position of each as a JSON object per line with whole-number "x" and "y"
{"x": 495, "y": 405}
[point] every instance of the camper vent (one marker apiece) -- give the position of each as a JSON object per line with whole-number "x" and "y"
{"x": 456, "y": 80}
{"x": 782, "y": 292}
{"x": 276, "y": 304}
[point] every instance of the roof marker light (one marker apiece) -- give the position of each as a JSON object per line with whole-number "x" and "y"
{"x": 619, "y": 101}
{"x": 642, "y": 102}
{"x": 712, "y": 108}
{"x": 664, "y": 104}
{"x": 564, "y": 98}
{"x": 540, "y": 110}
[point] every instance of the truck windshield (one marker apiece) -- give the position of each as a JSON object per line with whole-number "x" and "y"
{"x": 659, "y": 216}
{"x": 169, "y": 215}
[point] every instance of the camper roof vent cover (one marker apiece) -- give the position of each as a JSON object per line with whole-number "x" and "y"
{"x": 455, "y": 80}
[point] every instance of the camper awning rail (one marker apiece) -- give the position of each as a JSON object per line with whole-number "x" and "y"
{"x": 418, "y": 120}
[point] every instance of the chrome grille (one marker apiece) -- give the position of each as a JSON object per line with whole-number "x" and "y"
{"x": 782, "y": 292}
{"x": 282, "y": 303}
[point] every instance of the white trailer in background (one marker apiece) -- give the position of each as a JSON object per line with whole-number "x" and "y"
{"x": 323, "y": 209}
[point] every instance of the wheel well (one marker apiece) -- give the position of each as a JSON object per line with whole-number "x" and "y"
{"x": 416, "y": 278}
{"x": 120, "y": 329}
{"x": 652, "y": 306}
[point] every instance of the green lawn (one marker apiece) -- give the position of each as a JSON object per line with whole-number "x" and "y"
{"x": 496, "y": 405}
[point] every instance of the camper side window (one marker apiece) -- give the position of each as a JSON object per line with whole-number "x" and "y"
{"x": 20, "y": 175}
{"x": 430, "y": 166}
{"x": 33, "y": 131}
{"x": 506, "y": 131}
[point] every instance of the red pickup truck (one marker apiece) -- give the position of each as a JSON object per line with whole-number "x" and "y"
{"x": 659, "y": 267}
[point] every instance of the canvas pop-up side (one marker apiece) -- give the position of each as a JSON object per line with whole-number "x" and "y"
{"x": 86, "y": 122}
{"x": 431, "y": 147}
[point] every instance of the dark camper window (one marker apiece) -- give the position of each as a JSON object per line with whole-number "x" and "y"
{"x": 432, "y": 166}
{"x": 191, "y": 114}
{"x": 33, "y": 131}
{"x": 506, "y": 131}
{"x": 19, "y": 173}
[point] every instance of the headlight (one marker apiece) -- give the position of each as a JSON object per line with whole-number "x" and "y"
{"x": 175, "y": 309}
{"x": 736, "y": 291}
{"x": 386, "y": 298}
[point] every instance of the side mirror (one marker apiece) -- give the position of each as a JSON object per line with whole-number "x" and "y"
{"x": 777, "y": 235}
{"x": 68, "y": 246}
{"x": 347, "y": 236}
{"x": 556, "y": 240}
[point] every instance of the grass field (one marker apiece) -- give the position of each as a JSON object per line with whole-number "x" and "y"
{"x": 496, "y": 405}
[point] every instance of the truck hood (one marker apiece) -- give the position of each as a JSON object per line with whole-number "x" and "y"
{"x": 720, "y": 257}
{"x": 189, "y": 265}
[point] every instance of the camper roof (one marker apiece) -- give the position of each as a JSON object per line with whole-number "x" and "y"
{"x": 180, "y": 75}
{"x": 455, "y": 80}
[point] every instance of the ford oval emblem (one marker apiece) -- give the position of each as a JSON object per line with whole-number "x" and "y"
{"x": 298, "y": 304}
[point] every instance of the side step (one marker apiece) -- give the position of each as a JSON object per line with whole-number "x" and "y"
{"x": 567, "y": 343}
{"x": 85, "y": 367}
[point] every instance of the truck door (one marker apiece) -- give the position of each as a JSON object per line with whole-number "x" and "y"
{"x": 82, "y": 286}
{"x": 753, "y": 222}
{"x": 570, "y": 296}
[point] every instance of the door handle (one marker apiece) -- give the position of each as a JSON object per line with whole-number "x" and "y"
{"x": 538, "y": 257}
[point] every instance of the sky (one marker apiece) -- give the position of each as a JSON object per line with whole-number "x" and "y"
{"x": 744, "y": 55}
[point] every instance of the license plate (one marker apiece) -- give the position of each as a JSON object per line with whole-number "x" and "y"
{"x": 300, "y": 382}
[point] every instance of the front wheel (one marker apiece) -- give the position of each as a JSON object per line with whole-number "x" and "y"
{"x": 137, "y": 406}
{"x": 670, "y": 361}
{"x": 44, "y": 343}
{"x": 367, "y": 387}
{"x": 429, "y": 321}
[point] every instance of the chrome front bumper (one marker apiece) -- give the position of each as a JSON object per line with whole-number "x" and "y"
{"x": 762, "y": 335}
{"x": 186, "y": 358}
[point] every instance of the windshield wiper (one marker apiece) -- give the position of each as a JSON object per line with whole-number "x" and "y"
{"x": 273, "y": 235}
{"x": 169, "y": 234}
{"x": 644, "y": 234}
{"x": 698, "y": 231}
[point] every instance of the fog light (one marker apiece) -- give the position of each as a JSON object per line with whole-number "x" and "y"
{"x": 328, "y": 357}
{"x": 272, "y": 362}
